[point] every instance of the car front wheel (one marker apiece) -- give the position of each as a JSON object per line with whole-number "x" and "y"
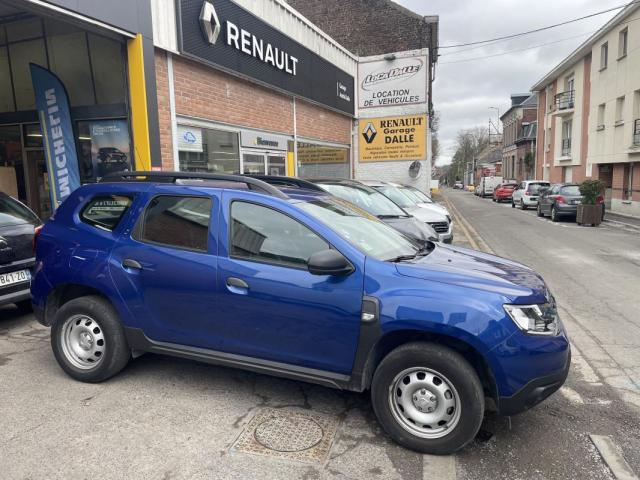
{"x": 88, "y": 340}
{"x": 428, "y": 398}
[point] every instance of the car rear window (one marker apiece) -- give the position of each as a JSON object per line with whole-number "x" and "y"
{"x": 535, "y": 187}
{"x": 106, "y": 211}
{"x": 178, "y": 221}
{"x": 570, "y": 190}
{"x": 14, "y": 213}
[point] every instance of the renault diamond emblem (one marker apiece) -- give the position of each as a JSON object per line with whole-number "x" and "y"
{"x": 209, "y": 23}
{"x": 369, "y": 132}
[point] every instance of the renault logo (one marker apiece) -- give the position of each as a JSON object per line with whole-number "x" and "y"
{"x": 369, "y": 132}
{"x": 209, "y": 23}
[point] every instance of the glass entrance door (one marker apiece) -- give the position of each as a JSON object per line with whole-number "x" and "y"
{"x": 11, "y": 163}
{"x": 38, "y": 183}
{"x": 261, "y": 163}
{"x": 253, "y": 163}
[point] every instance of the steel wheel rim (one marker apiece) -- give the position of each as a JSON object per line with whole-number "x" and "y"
{"x": 424, "y": 402}
{"x": 83, "y": 342}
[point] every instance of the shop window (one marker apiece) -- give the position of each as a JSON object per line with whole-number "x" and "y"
{"x": 23, "y": 53}
{"x": 69, "y": 60}
{"x": 11, "y": 164}
{"x": 207, "y": 150}
{"x": 107, "y": 59}
{"x": 322, "y": 161}
{"x": 6, "y": 92}
{"x": 106, "y": 211}
{"x": 33, "y": 136}
{"x": 265, "y": 235}
{"x": 179, "y": 222}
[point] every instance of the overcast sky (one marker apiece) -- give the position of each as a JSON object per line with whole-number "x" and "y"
{"x": 463, "y": 92}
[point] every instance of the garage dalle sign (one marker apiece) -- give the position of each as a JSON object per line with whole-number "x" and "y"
{"x": 225, "y": 35}
{"x": 393, "y": 138}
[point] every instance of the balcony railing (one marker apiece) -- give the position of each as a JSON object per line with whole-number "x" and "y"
{"x": 566, "y": 147}
{"x": 565, "y": 100}
{"x": 636, "y": 132}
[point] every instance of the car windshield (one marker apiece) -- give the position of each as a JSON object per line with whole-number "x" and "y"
{"x": 417, "y": 194}
{"x": 397, "y": 196}
{"x": 535, "y": 187}
{"x": 362, "y": 230}
{"x": 366, "y": 198}
{"x": 509, "y": 185}
{"x": 14, "y": 213}
{"x": 571, "y": 190}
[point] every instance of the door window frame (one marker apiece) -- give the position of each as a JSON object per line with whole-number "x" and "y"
{"x": 264, "y": 261}
{"x": 265, "y": 158}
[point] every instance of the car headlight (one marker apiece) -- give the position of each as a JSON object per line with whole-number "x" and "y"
{"x": 535, "y": 319}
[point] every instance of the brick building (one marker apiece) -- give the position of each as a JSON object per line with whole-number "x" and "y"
{"x": 519, "y": 137}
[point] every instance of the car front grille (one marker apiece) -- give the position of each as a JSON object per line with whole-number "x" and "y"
{"x": 440, "y": 227}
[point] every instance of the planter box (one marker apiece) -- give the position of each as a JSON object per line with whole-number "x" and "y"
{"x": 589, "y": 215}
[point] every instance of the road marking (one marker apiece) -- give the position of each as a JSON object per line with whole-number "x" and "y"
{"x": 612, "y": 456}
{"x": 438, "y": 466}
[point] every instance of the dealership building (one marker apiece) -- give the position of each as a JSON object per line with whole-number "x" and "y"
{"x": 222, "y": 86}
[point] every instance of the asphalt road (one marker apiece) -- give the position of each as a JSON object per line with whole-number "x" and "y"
{"x": 172, "y": 419}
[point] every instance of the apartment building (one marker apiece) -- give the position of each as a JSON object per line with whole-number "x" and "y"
{"x": 519, "y": 126}
{"x": 589, "y": 114}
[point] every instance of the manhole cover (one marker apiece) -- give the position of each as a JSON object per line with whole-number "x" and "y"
{"x": 289, "y": 433}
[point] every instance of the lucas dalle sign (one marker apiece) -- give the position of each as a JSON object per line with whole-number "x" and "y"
{"x": 393, "y": 138}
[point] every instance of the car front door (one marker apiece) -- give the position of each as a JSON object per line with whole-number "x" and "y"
{"x": 270, "y": 306}
{"x": 164, "y": 267}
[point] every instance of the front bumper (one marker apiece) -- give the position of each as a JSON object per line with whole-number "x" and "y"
{"x": 534, "y": 392}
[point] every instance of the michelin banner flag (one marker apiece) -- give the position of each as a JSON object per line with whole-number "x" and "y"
{"x": 52, "y": 104}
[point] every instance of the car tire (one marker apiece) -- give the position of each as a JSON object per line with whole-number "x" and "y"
{"x": 441, "y": 388}
{"x": 540, "y": 212}
{"x": 522, "y": 205}
{"x": 513, "y": 204}
{"x": 88, "y": 340}
{"x": 554, "y": 214}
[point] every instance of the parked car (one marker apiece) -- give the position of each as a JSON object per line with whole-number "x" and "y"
{"x": 424, "y": 199}
{"x": 367, "y": 198}
{"x": 233, "y": 271}
{"x": 459, "y": 185}
{"x": 440, "y": 222}
{"x": 562, "y": 200}
{"x": 18, "y": 225}
{"x": 526, "y": 193}
{"x": 488, "y": 185}
{"x": 504, "y": 191}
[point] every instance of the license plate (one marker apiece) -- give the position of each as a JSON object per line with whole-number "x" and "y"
{"x": 14, "y": 277}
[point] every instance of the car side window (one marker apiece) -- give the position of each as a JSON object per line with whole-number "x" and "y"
{"x": 177, "y": 221}
{"x": 105, "y": 211}
{"x": 262, "y": 234}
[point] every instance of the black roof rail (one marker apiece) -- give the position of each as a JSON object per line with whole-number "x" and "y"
{"x": 173, "y": 177}
{"x": 288, "y": 182}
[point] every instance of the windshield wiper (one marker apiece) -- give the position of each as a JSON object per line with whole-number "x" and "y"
{"x": 402, "y": 258}
{"x": 384, "y": 217}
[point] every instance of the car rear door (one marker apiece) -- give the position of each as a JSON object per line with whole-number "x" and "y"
{"x": 270, "y": 306}
{"x": 164, "y": 266}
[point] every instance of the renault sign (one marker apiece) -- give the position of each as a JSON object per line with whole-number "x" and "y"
{"x": 393, "y": 138}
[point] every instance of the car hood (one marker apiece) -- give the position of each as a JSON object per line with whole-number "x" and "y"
{"x": 412, "y": 228}
{"x": 434, "y": 207}
{"x": 427, "y": 215}
{"x": 469, "y": 268}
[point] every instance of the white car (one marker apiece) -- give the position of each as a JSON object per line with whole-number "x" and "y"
{"x": 526, "y": 193}
{"x": 432, "y": 214}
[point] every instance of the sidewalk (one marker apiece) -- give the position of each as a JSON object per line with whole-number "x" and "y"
{"x": 622, "y": 220}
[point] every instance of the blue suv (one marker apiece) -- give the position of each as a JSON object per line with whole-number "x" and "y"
{"x": 300, "y": 284}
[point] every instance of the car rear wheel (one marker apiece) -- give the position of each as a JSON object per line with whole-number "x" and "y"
{"x": 88, "y": 340}
{"x": 522, "y": 205}
{"x": 554, "y": 214}
{"x": 513, "y": 204}
{"x": 428, "y": 398}
{"x": 540, "y": 213}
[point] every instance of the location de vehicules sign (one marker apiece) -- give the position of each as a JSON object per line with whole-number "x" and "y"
{"x": 392, "y": 83}
{"x": 391, "y": 139}
{"x": 52, "y": 104}
{"x": 223, "y": 34}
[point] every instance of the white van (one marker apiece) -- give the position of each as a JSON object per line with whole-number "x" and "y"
{"x": 488, "y": 185}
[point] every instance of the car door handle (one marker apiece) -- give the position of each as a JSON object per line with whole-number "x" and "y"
{"x": 236, "y": 285}
{"x": 132, "y": 264}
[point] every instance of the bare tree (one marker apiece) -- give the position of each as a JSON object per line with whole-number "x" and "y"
{"x": 469, "y": 144}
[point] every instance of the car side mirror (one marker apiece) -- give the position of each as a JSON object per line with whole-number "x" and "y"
{"x": 329, "y": 262}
